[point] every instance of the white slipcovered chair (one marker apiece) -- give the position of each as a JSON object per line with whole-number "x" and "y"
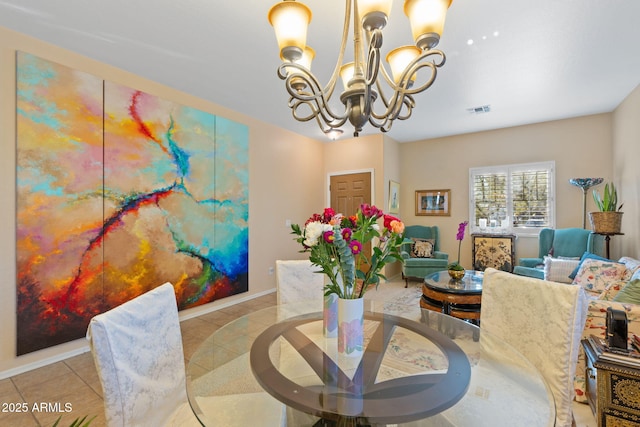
{"x": 296, "y": 280}
{"x": 544, "y": 321}
{"x": 137, "y": 349}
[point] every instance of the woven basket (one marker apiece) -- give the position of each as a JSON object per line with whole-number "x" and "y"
{"x": 606, "y": 222}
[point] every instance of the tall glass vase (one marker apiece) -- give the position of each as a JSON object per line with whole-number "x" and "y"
{"x": 350, "y": 327}
{"x": 330, "y": 316}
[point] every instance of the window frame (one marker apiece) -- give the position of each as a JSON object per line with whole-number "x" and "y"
{"x": 509, "y": 170}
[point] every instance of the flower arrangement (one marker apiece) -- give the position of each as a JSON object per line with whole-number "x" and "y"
{"x": 335, "y": 243}
{"x": 459, "y": 237}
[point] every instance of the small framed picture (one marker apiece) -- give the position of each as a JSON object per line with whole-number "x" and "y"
{"x": 394, "y": 197}
{"x": 433, "y": 202}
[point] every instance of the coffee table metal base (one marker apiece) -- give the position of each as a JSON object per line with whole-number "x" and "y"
{"x": 401, "y": 399}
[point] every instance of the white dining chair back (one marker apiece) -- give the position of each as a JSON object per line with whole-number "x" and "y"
{"x": 544, "y": 321}
{"x": 137, "y": 349}
{"x": 296, "y": 281}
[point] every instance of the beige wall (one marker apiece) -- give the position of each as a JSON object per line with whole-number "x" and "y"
{"x": 581, "y": 147}
{"x": 392, "y": 172}
{"x": 626, "y": 172}
{"x": 279, "y": 164}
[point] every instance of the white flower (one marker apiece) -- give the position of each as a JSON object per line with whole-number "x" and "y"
{"x": 376, "y": 227}
{"x": 313, "y": 231}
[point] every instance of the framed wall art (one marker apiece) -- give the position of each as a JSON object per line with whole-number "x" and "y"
{"x": 119, "y": 191}
{"x": 394, "y": 197}
{"x": 433, "y": 202}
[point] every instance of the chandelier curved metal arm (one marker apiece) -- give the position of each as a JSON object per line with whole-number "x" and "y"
{"x": 364, "y": 86}
{"x": 402, "y": 93}
{"x": 308, "y": 100}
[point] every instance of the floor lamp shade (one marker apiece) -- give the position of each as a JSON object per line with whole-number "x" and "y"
{"x": 585, "y": 184}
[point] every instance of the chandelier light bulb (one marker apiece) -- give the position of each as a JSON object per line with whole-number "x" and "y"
{"x": 374, "y": 13}
{"x": 305, "y": 61}
{"x": 290, "y": 20}
{"x": 346, "y": 74}
{"x": 427, "y": 20}
{"x": 334, "y": 134}
{"x": 399, "y": 59}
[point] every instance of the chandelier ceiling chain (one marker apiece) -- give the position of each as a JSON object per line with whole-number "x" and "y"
{"x": 362, "y": 78}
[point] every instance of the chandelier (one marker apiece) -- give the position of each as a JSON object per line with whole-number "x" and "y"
{"x": 363, "y": 99}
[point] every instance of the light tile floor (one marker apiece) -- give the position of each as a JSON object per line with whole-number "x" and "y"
{"x": 75, "y": 382}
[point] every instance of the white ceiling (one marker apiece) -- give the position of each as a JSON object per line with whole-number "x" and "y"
{"x": 550, "y": 59}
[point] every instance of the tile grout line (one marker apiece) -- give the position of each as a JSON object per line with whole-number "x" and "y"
{"x": 24, "y": 400}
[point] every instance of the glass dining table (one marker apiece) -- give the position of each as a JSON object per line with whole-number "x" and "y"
{"x": 274, "y": 367}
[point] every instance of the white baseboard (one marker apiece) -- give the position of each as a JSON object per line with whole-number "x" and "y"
{"x": 209, "y": 308}
{"x": 43, "y": 362}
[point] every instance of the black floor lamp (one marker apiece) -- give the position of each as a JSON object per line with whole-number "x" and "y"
{"x": 585, "y": 184}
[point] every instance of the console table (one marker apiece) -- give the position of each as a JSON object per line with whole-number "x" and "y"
{"x": 613, "y": 390}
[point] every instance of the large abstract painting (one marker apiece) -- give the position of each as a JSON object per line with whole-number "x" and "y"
{"x": 119, "y": 191}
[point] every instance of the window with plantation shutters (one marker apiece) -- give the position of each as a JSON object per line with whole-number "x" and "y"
{"x": 512, "y": 198}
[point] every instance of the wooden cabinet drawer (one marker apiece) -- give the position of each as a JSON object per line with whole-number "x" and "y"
{"x": 618, "y": 397}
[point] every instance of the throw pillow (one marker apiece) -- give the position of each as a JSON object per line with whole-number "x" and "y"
{"x": 630, "y": 293}
{"x": 595, "y": 275}
{"x": 586, "y": 255}
{"x": 631, "y": 263}
{"x": 633, "y": 267}
{"x": 558, "y": 269}
{"x": 422, "y": 248}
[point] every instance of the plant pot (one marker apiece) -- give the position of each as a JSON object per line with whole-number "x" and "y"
{"x": 456, "y": 274}
{"x": 606, "y": 222}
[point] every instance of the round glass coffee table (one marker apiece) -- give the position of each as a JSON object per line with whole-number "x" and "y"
{"x": 457, "y": 298}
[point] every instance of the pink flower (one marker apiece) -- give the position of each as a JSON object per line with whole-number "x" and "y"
{"x": 347, "y": 233}
{"x": 356, "y": 247}
{"x": 370, "y": 211}
{"x": 461, "y": 229}
{"x": 328, "y": 214}
{"x": 314, "y": 218}
{"x": 328, "y": 236}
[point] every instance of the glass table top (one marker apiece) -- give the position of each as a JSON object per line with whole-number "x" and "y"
{"x": 280, "y": 354}
{"x": 470, "y": 283}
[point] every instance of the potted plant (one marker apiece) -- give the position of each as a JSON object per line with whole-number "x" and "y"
{"x": 456, "y": 271}
{"x": 609, "y": 218}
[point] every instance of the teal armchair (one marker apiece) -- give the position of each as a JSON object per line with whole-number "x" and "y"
{"x": 418, "y": 268}
{"x": 563, "y": 242}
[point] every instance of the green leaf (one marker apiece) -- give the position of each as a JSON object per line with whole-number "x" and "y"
{"x": 78, "y": 422}
{"x": 608, "y": 202}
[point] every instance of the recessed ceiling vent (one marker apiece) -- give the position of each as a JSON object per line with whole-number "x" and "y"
{"x": 479, "y": 110}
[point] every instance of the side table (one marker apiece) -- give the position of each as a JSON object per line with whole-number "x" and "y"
{"x": 607, "y": 240}
{"x": 613, "y": 390}
{"x": 457, "y": 298}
